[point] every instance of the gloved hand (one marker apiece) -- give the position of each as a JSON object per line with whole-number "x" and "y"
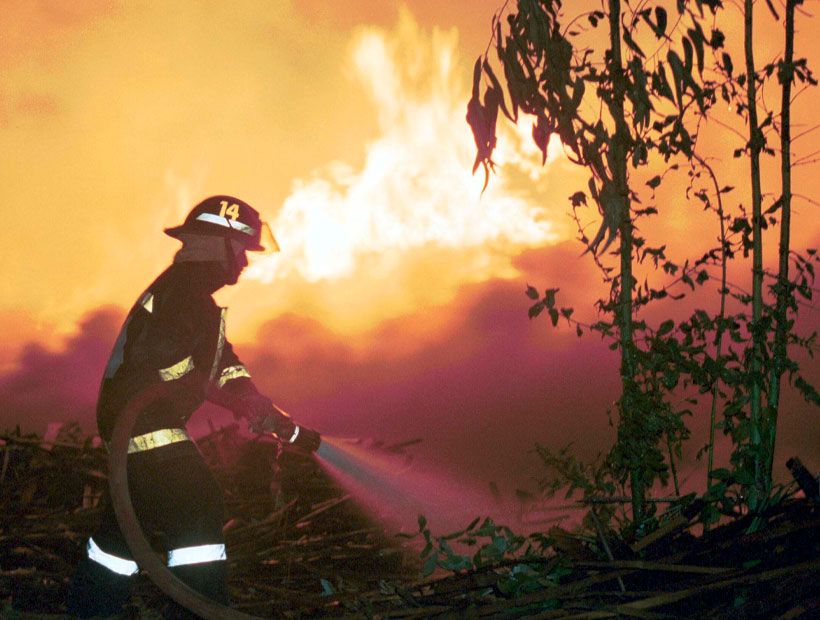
{"x": 264, "y": 416}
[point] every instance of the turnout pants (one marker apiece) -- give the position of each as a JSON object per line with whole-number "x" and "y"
{"x": 179, "y": 505}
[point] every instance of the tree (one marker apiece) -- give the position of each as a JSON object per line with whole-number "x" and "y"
{"x": 614, "y": 110}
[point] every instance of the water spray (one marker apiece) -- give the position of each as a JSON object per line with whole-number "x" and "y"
{"x": 386, "y": 481}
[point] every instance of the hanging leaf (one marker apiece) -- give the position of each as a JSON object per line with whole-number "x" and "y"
{"x": 497, "y": 87}
{"x": 492, "y": 101}
{"x": 476, "y": 77}
{"x": 475, "y": 118}
{"x": 688, "y": 54}
{"x": 578, "y": 89}
{"x": 659, "y": 25}
{"x": 727, "y": 64}
{"x": 661, "y": 19}
{"x": 660, "y": 83}
{"x": 541, "y": 136}
{"x": 482, "y": 120}
{"x": 698, "y": 40}
{"x": 630, "y": 42}
{"x": 676, "y": 65}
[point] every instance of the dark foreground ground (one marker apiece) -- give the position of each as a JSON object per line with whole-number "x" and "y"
{"x": 300, "y": 548}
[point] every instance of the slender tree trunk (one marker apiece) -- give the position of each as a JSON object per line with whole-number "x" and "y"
{"x": 721, "y": 317}
{"x": 617, "y": 164}
{"x": 783, "y": 289}
{"x": 755, "y": 146}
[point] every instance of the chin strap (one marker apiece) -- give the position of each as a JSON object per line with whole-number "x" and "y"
{"x": 232, "y": 266}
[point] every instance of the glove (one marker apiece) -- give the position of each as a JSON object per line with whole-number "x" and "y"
{"x": 262, "y": 415}
{"x": 267, "y": 417}
{"x": 299, "y": 436}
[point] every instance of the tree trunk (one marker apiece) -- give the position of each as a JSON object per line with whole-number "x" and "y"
{"x": 783, "y": 289}
{"x": 721, "y": 317}
{"x": 617, "y": 164}
{"x": 755, "y": 146}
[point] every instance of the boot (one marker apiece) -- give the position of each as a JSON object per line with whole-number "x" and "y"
{"x": 96, "y": 591}
{"x": 209, "y": 578}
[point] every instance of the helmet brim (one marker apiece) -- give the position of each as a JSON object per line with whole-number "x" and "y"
{"x": 267, "y": 242}
{"x": 174, "y": 231}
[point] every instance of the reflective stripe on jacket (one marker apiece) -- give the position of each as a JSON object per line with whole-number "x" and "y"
{"x": 174, "y": 334}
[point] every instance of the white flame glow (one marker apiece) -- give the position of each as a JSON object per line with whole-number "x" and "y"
{"x": 415, "y": 187}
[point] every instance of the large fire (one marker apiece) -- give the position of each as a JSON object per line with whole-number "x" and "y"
{"x": 415, "y": 189}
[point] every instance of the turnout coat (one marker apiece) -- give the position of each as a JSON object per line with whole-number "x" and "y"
{"x": 174, "y": 333}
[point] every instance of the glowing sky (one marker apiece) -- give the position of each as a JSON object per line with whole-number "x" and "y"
{"x": 344, "y": 124}
{"x": 118, "y": 117}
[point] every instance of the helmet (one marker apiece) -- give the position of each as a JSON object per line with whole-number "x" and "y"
{"x": 229, "y": 217}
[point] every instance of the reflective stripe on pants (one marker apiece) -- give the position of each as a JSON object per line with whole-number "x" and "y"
{"x": 114, "y": 563}
{"x": 176, "y": 557}
{"x": 196, "y": 555}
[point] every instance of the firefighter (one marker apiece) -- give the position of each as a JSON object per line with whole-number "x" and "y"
{"x": 175, "y": 334}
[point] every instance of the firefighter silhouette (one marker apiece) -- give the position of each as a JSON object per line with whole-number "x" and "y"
{"x": 175, "y": 334}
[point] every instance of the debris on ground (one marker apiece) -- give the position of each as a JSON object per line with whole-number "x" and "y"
{"x": 293, "y": 537}
{"x": 300, "y": 547}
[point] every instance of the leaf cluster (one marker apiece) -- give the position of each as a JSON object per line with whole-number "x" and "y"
{"x": 612, "y": 116}
{"x": 564, "y": 89}
{"x": 520, "y": 560}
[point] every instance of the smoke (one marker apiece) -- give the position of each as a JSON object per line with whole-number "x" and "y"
{"x": 54, "y": 386}
{"x": 476, "y": 380}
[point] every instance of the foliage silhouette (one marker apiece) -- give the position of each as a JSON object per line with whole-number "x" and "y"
{"x": 618, "y": 110}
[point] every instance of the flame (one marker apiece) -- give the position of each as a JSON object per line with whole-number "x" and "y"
{"x": 415, "y": 189}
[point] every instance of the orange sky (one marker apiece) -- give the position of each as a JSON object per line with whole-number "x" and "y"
{"x": 345, "y": 127}
{"x": 342, "y": 122}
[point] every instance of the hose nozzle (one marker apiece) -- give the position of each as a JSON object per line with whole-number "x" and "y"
{"x": 305, "y": 439}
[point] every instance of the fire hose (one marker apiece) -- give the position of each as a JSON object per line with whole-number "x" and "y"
{"x": 132, "y": 531}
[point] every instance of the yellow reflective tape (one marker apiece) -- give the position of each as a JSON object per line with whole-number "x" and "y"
{"x": 232, "y": 372}
{"x": 180, "y": 369}
{"x": 157, "y": 439}
{"x": 220, "y": 343}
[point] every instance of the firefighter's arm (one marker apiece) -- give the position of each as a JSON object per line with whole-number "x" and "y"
{"x": 234, "y": 390}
